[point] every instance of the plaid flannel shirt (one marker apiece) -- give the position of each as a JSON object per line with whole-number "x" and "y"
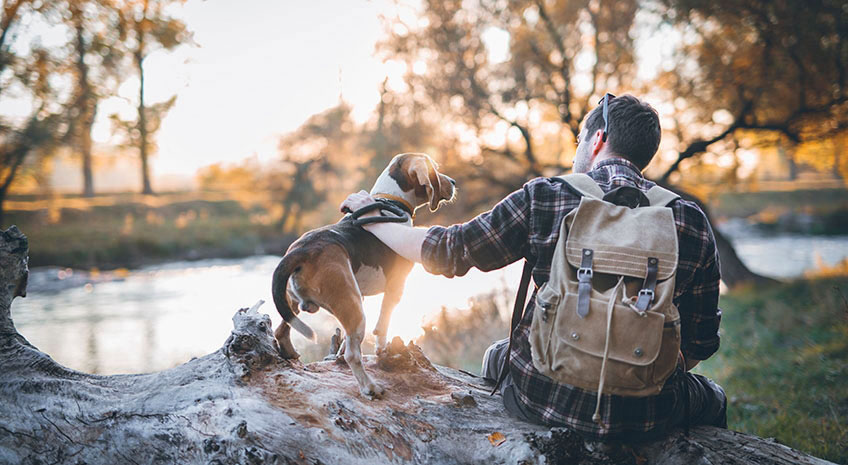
{"x": 526, "y": 225}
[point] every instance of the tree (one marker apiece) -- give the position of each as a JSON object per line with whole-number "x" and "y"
{"x": 146, "y": 26}
{"x": 523, "y": 96}
{"x": 96, "y": 58}
{"x": 26, "y": 70}
{"x": 312, "y": 160}
{"x": 757, "y": 71}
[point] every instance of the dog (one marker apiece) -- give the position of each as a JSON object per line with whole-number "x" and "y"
{"x": 333, "y": 267}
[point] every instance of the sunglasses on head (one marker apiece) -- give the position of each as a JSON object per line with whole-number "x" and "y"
{"x": 607, "y": 97}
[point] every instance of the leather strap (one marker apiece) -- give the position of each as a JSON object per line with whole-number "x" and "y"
{"x": 381, "y": 204}
{"x": 517, "y": 314}
{"x": 584, "y": 283}
{"x": 582, "y": 183}
{"x": 660, "y": 196}
{"x": 646, "y": 295}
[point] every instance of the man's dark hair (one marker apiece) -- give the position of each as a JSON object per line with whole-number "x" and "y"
{"x": 634, "y": 128}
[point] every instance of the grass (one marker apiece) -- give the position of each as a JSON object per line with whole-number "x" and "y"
{"x": 783, "y": 359}
{"x": 784, "y": 364}
{"x": 133, "y": 231}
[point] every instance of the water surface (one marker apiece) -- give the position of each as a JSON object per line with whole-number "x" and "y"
{"x": 160, "y": 316}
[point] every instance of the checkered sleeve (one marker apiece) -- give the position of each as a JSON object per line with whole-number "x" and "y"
{"x": 490, "y": 241}
{"x": 698, "y": 300}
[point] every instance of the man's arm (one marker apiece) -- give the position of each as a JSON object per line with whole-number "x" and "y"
{"x": 489, "y": 241}
{"x": 405, "y": 241}
{"x": 698, "y": 304}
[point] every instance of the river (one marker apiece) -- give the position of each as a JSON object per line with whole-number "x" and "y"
{"x": 160, "y": 316}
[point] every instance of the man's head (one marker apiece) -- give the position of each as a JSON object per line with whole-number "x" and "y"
{"x": 633, "y": 132}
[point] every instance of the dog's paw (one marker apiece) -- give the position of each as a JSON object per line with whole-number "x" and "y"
{"x": 382, "y": 352}
{"x": 373, "y": 391}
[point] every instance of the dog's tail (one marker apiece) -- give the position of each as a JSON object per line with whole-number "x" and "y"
{"x": 288, "y": 265}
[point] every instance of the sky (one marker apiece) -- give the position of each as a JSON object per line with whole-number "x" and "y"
{"x": 259, "y": 70}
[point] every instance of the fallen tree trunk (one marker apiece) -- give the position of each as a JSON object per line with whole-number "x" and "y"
{"x": 245, "y": 404}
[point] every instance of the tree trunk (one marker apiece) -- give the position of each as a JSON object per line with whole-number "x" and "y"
{"x": 142, "y": 123}
{"x": 86, "y": 102}
{"x": 245, "y": 404}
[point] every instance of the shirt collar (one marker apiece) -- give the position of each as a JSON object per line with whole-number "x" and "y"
{"x": 619, "y": 166}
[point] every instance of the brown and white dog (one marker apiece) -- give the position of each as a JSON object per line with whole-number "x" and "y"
{"x": 333, "y": 267}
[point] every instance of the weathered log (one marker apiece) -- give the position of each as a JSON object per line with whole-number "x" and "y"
{"x": 245, "y": 404}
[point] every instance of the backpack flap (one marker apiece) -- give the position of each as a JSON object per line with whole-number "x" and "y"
{"x": 623, "y": 239}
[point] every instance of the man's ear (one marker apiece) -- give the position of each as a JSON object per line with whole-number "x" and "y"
{"x": 597, "y": 144}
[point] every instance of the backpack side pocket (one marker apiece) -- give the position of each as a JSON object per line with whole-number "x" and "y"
{"x": 541, "y": 328}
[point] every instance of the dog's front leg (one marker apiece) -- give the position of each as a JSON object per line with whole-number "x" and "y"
{"x": 391, "y": 297}
{"x": 394, "y": 290}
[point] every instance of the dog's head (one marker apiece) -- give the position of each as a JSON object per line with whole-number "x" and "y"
{"x": 418, "y": 176}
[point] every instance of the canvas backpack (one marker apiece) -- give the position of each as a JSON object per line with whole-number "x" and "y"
{"x": 604, "y": 321}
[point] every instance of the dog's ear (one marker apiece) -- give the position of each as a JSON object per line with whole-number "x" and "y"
{"x": 423, "y": 170}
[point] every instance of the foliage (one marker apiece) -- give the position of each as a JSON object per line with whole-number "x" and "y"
{"x": 783, "y": 362}
{"x": 516, "y": 115}
{"x": 94, "y": 60}
{"x": 27, "y": 72}
{"x": 146, "y": 26}
{"x": 459, "y": 338}
{"x": 756, "y": 74}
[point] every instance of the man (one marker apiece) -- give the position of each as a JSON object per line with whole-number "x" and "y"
{"x": 526, "y": 224}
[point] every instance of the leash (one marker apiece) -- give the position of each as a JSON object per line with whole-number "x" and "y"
{"x": 397, "y": 208}
{"x": 517, "y": 314}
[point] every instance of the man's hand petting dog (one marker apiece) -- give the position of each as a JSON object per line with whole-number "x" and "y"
{"x": 358, "y": 200}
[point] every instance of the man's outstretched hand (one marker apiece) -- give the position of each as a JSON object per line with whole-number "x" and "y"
{"x": 356, "y": 201}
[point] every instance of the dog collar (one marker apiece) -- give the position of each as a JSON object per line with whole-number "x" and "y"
{"x": 403, "y": 203}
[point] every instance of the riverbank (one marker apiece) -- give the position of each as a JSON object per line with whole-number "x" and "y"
{"x": 130, "y": 231}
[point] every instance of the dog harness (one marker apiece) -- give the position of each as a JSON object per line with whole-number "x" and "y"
{"x": 399, "y": 209}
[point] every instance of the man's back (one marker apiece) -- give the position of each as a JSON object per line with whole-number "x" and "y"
{"x": 527, "y": 224}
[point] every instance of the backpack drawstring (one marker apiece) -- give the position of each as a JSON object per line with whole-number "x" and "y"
{"x": 596, "y": 417}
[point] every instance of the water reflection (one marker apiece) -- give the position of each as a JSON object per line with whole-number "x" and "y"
{"x": 161, "y": 316}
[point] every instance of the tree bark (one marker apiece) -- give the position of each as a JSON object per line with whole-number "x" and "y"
{"x": 245, "y": 404}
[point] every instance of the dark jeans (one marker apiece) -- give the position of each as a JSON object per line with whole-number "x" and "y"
{"x": 707, "y": 401}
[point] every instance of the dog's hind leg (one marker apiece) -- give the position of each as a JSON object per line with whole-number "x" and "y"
{"x": 283, "y": 336}
{"x": 343, "y": 299}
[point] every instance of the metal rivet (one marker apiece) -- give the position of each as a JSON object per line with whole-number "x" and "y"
{"x": 575, "y": 336}
{"x": 638, "y": 352}
{"x": 587, "y": 252}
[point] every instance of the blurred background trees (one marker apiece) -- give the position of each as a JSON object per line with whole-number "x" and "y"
{"x": 26, "y": 77}
{"x": 495, "y": 90}
{"x": 145, "y": 26}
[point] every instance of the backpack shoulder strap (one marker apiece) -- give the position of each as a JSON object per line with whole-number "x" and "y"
{"x": 660, "y": 196}
{"x": 584, "y": 184}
